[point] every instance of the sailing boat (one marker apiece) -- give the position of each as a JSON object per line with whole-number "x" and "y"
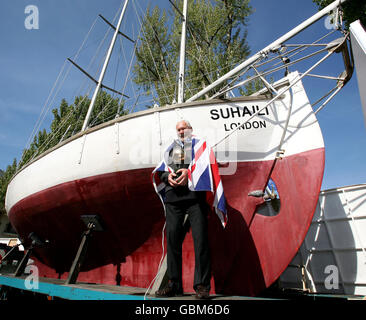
{"x": 271, "y": 155}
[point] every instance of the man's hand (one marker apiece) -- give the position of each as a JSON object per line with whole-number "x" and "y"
{"x": 171, "y": 180}
{"x": 182, "y": 180}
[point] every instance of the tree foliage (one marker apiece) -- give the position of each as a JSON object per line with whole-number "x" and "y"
{"x": 352, "y": 9}
{"x": 216, "y": 41}
{"x": 5, "y": 177}
{"x": 68, "y": 120}
{"x": 155, "y": 68}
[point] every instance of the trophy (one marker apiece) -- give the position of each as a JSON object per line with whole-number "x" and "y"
{"x": 178, "y": 159}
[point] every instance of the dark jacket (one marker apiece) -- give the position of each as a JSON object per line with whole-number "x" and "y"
{"x": 181, "y": 193}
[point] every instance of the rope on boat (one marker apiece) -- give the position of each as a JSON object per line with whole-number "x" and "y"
{"x": 280, "y": 93}
{"x": 160, "y": 263}
{"x": 280, "y": 152}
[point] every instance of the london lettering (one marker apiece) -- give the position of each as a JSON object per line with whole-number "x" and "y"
{"x": 247, "y": 125}
{"x": 240, "y": 112}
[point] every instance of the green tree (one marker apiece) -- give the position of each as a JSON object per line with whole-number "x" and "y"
{"x": 68, "y": 120}
{"x": 5, "y": 177}
{"x": 352, "y": 9}
{"x": 155, "y": 68}
{"x": 216, "y": 41}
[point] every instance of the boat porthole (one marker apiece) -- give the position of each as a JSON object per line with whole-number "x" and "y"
{"x": 272, "y": 204}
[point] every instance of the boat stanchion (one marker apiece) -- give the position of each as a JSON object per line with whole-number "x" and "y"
{"x": 37, "y": 242}
{"x": 93, "y": 223}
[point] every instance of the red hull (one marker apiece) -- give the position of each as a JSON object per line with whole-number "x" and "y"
{"x": 247, "y": 256}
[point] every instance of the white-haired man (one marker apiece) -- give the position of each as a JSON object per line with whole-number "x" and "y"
{"x": 179, "y": 200}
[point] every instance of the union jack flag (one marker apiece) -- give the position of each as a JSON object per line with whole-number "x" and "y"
{"x": 203, "y": 175}
{"x": 160, "y": 185}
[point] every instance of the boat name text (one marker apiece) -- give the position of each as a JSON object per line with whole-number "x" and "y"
{"x": 240, "y": 112}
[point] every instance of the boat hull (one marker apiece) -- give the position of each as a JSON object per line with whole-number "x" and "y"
{"x": 107, "y": 172}
{"x": 247, "y": 256}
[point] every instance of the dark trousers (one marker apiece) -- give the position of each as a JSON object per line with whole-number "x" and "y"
{"x": 197, "y": 215}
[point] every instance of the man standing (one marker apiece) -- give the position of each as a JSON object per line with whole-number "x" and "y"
{"x": 179, "y": 200}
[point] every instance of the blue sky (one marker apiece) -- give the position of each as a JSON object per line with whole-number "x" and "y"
{"x": 30, "y": 61}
